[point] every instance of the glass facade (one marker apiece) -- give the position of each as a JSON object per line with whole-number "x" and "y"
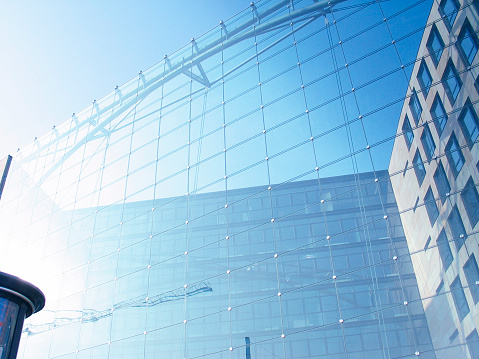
{"x": 234, "y": 200}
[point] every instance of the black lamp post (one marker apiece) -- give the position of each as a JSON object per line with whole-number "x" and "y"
{"x": 18, "y": 300}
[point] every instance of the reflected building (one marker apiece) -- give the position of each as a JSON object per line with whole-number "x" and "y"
{"x": 232, "y": 200}
{"x": 435, "y": 167}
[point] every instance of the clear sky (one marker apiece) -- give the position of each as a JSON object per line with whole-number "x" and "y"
{"x": 57, "y": 56}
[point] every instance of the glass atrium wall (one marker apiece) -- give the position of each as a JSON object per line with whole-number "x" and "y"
{"x": 231, "y": 199}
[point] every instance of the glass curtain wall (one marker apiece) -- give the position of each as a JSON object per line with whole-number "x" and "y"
{"x": 231, "y": 200}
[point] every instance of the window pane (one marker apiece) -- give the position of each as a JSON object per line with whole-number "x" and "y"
{"x": 438, "y": 113}
{"x": 442, "y": 184}
{"x": 468, "y": 43}
{"x": 454, "y": 155}
{"x": 451, "y": 81}
{"x": 407, "y": 132}
{"x": 415, "y": 107}
{"x": 424, "y": 78}
{"x": 435, "y": 45}
{"x": 444, "y": 250}
{"x": 431, "y": 206}
{"x": 472, "y": 275}
{"x": 459, "y": 298}
{"x": 428, "y": 142}
{"x": 469, "y": 123}
{"x": 473, "y": 344}
{"x": 419, "y": 167}
{"x": 449, "y": 8}
{"x": 457, "y": 228}
{"x": 470, "y": 197}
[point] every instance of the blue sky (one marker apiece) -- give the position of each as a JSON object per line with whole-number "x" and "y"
{"x": 58, "y": 56}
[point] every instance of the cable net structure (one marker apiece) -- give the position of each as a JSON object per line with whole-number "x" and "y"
{"x": 298, "y": 182}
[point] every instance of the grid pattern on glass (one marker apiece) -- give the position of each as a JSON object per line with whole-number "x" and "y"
{"x": 435, "y": 45}
{"x": 442, "y": 183}
{"x": 444, "y": 250}
{"x": 439, "y": 114}
{"x": 419, "y": 168}
{"x": 456, "y": 226}
{"x": 468, "y": 43}
{"x": 431, "y": 206}
{"x": 471, "y": 270}
{"x": 451, "y": 81}
{"x": 415, "y": 107}
{"x": 428, "y": 142}
{"x": 459, "y": 298}
{"x": 449, "y": 9}
{"x": 207, "y": 203}
{"x": 469, "y": 123}
{"x": 424, "y": 78}
{"x": 407, "y": 132}
{"x": 470, "y": 198}
{"x": 454, "y": 155}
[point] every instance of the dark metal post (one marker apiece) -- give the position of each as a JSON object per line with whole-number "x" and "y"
{"x": 248, "y": 349}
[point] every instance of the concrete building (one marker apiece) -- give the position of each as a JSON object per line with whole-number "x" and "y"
{"x": 434, "y": 174}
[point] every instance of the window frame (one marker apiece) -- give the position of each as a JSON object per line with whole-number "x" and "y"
{"x": 472, "y": 207}
{"x": 424, "y": 70}
{"x": 431, "y": 206}
{"x": 451, "y": 154}
{"x": 451, "y": 16}
{"x": 475, "y": 41}
{"x": 456, "y": 225}
{"x": 469, "y": 108}
{"x": 418, "y": 164}
{"x": 471, "y": 272}
{"x": 408, "y": 130}
{"x": 441, "y": 181}
{"x": 415, "y": 107}
{"x": 445, "y": 253}
{"x": 459, "y": 298}
{"x": 428, "y": 143}
{"x": 433, "y": 53}
{"x": 450, "y": 73}
{"x": 439, "y": 121}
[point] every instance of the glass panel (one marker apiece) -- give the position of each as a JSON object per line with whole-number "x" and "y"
{"x": 470, "y": 198}
{"x": 454, "y": 155}
{"x": 459, "y": 298}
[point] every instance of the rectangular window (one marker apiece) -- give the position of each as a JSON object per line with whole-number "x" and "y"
{"x": 468, "y": 43}
{"x": 457, "y": 228}
{"x": 424, "y": 78}
{"x": 444, "y": 250}
{"x": 469, "y": 123}
{"x": 415, "y": 107}
{"x": 459, "y": 298}
{"x": 428, "y": 143}
{"x": 470, "y": 198}
{"x": 407, "y": 132}
{"x": 472, "y": 275}
{"x": 472, "y": 341}
{"x": 449, "y": 9}
{"x": 435, "y": 45}
{"x": 431, "y": 206}
{"x": 451, "y": 81}
{"x": 454, "y": 155}
{"x": 419, "y": 167}
{"x": 442, "y": 184}
{"x": 439, "y": 115}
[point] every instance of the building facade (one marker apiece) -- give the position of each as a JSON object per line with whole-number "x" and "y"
{"x": 434, "y": 173}
{"x": 232, "y": 200}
